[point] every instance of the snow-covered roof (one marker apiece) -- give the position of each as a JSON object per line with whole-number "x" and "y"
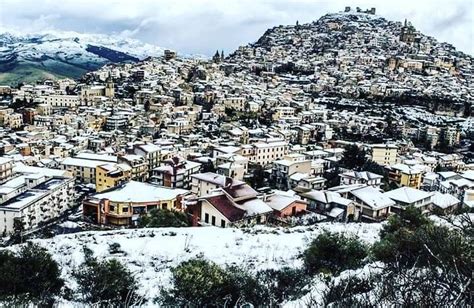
{"x": 444, "y": 200}
{"x": 254, "y": 207}
{"x": 408, "y": 195}
{"x": 279, "y": 202}
{"x": 373, "y": 197}
{"x": 139, "y": 192}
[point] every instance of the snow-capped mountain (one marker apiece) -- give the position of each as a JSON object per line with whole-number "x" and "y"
{"x": 67, "y": 54}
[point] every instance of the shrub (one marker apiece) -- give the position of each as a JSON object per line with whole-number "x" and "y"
{"x": 283, "y": 284}
{"x": 333, "y": 253}
{"x": 199, "y": 282}
{"x": 31, "y": 274}
{"x": 425, "y": 264}
{"x": 164, "y": 218}
{"x": 105, "y": 282}
{"x": 348, "y": 292}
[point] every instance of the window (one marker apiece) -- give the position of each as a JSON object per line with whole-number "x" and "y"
{"x": 222, "y": 223}
{"x": 206, "y": 218}
{"x": 213, "y": 220}
{"x": 111, "y": 208}
{"x": 164, "y": 206}
{"x": 125, "y": 209}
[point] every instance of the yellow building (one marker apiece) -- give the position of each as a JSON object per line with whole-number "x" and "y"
{"x": 111, "y": 175}
{"x": 123, "y": 205}
{"x": 403, "y": 175}
{"x": 384, "y": 154}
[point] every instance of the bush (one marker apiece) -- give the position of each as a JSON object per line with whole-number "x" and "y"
{"x": 31, "y": 275}
{"x": 333, "y": 253}
{"x": 348, "y": 292}
{"x": 198, "y": 283}
{"x": 105, "y": 282}
{"x": 284, "y": 284}
{"x": 164, "y": 218}
{"x": 425, "y": 264}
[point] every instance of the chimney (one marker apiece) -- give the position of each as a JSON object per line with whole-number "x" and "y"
{"x": 228, "y": 182}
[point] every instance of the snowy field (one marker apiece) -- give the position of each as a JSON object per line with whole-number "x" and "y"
{"x": 150, "y": 253}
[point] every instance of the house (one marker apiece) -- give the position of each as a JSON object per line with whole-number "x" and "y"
{"x": 384, "y": 154}
{"x": 331, "y": 204}
{"x": 445, "y": 203}
{"x": 362, "y": 177}
{"x": 231, "y": 205}
{"x": 151, "y": 152}
{"x": 404, "y": 175}
{"x": 304, "y": 182}
{"x": 219, "y": 210}
{"x": 284, "y": 206}
{"x": 175, "y": 172}
{"x": 123, "y": 205}
{"x": 408, "y": 196}
{"x": 284, "y": 168}
{"x": 83, "y": 165}
{"x": 373, "y": 204}
{"x": 6, "y": 166}
{"x": 111, "y": 175}
{"x": 139, "y": 166}
{"x": 204, "y": 183}
{"x": 225, "y": 202}
{"x": 32, "y": 198}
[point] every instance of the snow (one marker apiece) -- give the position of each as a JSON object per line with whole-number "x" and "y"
{"x": 66, "y": 43}
{"x": 139, "y": 192}
{"x": 151, "y": 253}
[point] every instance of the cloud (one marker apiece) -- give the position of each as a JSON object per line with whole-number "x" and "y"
{"x": 202, "y": 26}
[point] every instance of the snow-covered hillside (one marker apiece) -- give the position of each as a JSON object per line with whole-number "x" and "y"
{"x": 49, "y": 43}
{"x": 150, "y": 253}
{"x": 31, "y": 57}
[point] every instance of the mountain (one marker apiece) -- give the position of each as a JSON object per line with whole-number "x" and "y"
{"x": 26, "y": 58}
{"x": 356, "y": 55}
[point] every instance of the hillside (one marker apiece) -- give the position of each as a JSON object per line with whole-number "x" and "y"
{"x": 26, "y": 58}
{"x": 355, "y": 55}
{"x": 151, "y": 253}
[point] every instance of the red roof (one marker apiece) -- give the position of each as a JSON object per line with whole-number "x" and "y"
{"x": 225, "y": 206}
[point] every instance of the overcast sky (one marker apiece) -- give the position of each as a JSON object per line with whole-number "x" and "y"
{"x": 202, "y": 26}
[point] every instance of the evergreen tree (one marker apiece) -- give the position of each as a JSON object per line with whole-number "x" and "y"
{"x": 29, "y": 276}
{"x": 105, "y": 283}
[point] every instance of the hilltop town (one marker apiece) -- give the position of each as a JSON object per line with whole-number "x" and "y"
{"x": 348, "y": 119}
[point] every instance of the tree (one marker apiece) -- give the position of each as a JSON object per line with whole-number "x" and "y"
{"x": 425, "y": 263}
{"x": 333, "y": 253}
{"x": 208, "y": 166}
{"x": 332, "y": 177}
{"x": 198, "y": 283}
{"x": 31, "y": 275}
{"x": 105, "y": 282}
{"x": 157, "y": 218}
{"x": 147, "y": 106}
{"x": 353, "y": 157}
{"x": 258, "y": 176}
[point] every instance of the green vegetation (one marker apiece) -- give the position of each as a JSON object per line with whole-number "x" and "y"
{"x": 333, "y": 253}
{"x": 163, "y": 218}
{"x": 424, "y": 265}
{"x": 202, "y": 283}
{"x": 29, "y": 276}
{"x": 353, "y": 158}
{"x": 105, "y": 282}
{"x": 30, "y": 72}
